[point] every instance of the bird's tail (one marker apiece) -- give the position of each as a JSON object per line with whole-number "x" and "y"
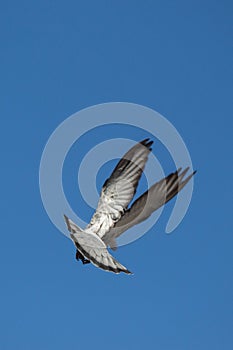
{"x": 94, "y": 249}
{"x": 72, "y": 227}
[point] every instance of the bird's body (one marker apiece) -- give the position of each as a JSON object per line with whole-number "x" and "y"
{"x": 113, "y": 217}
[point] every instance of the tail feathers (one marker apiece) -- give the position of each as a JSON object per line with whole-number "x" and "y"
{"x": 94, "y": 249}
{"x": 72, "y": 227}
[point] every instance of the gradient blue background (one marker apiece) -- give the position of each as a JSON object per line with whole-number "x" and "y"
{"x": 59, "y": 57}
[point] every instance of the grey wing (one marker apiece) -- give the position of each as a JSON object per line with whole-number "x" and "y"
{"x": 158, "y": 194}
{"x": 119, "y": 189}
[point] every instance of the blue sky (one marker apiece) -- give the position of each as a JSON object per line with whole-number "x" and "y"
{"x": 172, "y": 56}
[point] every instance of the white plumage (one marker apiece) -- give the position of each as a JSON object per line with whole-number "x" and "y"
{"x": 113, "y": 217}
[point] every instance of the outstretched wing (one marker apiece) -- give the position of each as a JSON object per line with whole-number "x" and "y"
{"x": 158, "y": 194}
{"x": 119, "y": 189}
{"x": 94, "y": 249}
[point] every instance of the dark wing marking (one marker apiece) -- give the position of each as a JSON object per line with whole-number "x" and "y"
{"x": 158, "y": 194}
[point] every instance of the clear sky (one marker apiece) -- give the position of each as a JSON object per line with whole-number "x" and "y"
{"x": 58, "y": 57}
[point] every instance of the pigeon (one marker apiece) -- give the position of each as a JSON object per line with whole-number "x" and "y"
{"x": 113, "y": 216}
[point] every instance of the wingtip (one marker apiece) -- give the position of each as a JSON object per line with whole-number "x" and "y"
{"x": 186, "y": 180}
{"x": 186, "y": 170}
{"x": 178, "y": 170}
{"x": 147, "y": 143}
{"x": 182, "y": 172}
{"x": 145, "y": 140}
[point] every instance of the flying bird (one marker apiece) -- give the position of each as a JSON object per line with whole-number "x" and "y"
{"x": 113, "y": 216}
